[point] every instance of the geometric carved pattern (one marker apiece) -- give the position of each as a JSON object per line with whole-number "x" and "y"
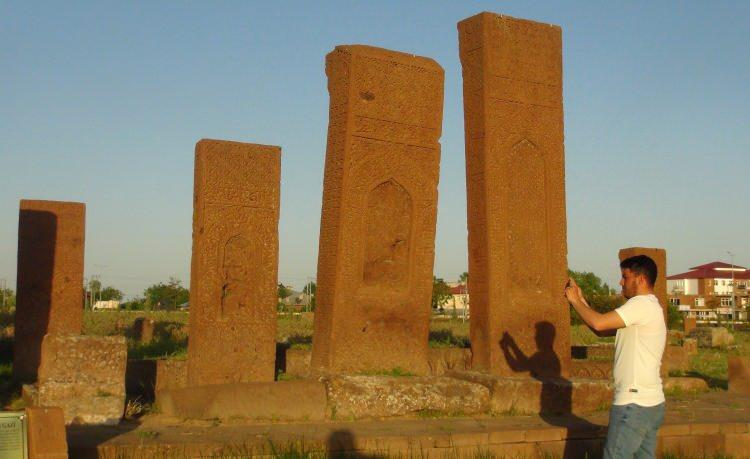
{"x": 234, "y": 263}
{"x": 515, "y": 179}
{"x": 377, "y": 230}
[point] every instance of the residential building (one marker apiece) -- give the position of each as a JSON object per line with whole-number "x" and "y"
{"x": 459, "y": 301}
{"x": 706, "y": 291}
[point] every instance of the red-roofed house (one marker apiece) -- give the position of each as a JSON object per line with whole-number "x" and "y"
{"x": 459, "y": 302}
{"x": 706, "y": 291}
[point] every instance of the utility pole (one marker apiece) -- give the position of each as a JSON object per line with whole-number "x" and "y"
{"x": 731, "y": 260}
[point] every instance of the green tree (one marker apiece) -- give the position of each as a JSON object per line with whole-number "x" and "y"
{"x": 110, "y": 293}
{"x": 310, "y": 289}
{"x": 441, "y": 293}
{"x": 95, "y": 285}
{"x": 674, "y": 317}
{"x": 591, "y": 284}
{"x": 136, "y": 304}
{"x": 464, "y": 277}
{"x": 600, "y": 296}
{"x": 284, "y": 291}
{"x": 166, "y": 296}
{"x": 9, "y": 296}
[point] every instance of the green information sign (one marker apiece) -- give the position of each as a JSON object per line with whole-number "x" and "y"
{"x": 13, "y": 435}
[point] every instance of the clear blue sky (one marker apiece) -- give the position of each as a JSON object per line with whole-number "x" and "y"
{"x": 102, "y": 102}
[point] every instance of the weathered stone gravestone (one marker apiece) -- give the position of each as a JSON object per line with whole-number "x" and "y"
{"x": 143, "y": 329}
{"x": 689, "y": 324}
{"x": 46, "y": 433}
{"x": 234, "y": 265}
{"x": 712, "y": 337}
{"x": 739, "y": 374}
{"x": 50, "y": 278}
{"x": 660, "y": 258}
{"x": 515, "y": 178}
{"x": 377, "y": 231}
{"x": 84, "y": 375}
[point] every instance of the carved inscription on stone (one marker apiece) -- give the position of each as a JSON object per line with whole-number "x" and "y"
{"x": 241, "y": 259}
{"x": 387, "y": 233}
{"x": 512, "y": 81}
{"x": 50, "y": 276}
{"x": 234, "y": 263}
{"x": 377, "y": 234}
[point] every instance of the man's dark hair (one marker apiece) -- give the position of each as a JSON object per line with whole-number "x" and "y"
{"x": 641, "y": 264}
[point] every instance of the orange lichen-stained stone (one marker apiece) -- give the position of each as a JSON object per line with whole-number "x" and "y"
{"x": 235, "y": 261}
{"x": 515, "y": 174}
{"x": 377, "y": 231}
{"x": 46, "y": 433}
{"x": 50, "y": 278}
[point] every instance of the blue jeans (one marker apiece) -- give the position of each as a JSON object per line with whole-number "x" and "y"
{"x": 632, "y": 431}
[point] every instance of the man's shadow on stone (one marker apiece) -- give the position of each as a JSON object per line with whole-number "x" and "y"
{"x": 556, "y": 398}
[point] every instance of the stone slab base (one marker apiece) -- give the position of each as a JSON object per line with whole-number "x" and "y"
{"x": 591, "y": 369}
{"x": 46, "y": 433}
{"x": 84, "y": 375}
{"x": 357, "y": 397}
{"x": 434, "y": 438}
{"x": 282, "y": 401}
{"x": 338, "y": 397}
{"x": 524, "y": 395}
{"x": 439, "y": 361}
{"x": 81, "y": 404}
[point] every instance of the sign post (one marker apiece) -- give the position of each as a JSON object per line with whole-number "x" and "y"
{"x": 13, "y": 440}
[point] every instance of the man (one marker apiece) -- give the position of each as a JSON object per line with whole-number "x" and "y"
{"x": 638, "y": 406}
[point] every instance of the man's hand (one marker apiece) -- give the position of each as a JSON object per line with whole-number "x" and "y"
{"x": 597, "y": 322}
{"x": 573, "y": 292}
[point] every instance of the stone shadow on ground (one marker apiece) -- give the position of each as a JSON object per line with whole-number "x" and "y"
{"x": 556, "y": 398}
{"x": 84, "y": 440}
{"x": 341, "y": 444}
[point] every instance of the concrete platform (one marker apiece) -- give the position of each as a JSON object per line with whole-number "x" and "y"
{"x": 696, "y": 426}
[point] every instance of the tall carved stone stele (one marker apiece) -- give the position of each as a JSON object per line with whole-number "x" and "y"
{"x": 235, "y": 261}
{"x": 377, "y": 230}
{"x": 515, "y": 174}
{"x": 660, "y": 258}
{"x": 50, "y": 279}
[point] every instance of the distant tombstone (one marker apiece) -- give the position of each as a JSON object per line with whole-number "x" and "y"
{"x": 233, "y": 287}
{"x": 689, "y": 324}
{"x": 50, "y": 278}
{"x": 144, "y": 329}
{"x": 377, "y": 230}
{"x": 515, "y": 183}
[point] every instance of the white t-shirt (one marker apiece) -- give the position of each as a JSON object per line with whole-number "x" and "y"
{"x": 638, "y": 351}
